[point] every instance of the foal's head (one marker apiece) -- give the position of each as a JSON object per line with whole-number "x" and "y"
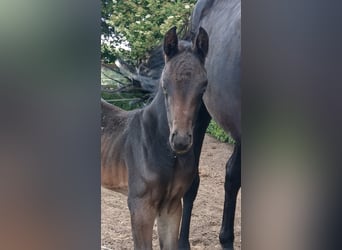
{"x": 183, "y": 81}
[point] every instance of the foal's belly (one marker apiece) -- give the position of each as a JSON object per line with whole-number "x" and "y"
{"x": 115, "y": 177}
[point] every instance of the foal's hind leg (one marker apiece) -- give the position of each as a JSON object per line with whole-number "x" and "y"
{"x": 189, "y": 197}
{"x": 168, "y": 226}
{"x": 142, "y": 220}
{"x": 231, "y": 185}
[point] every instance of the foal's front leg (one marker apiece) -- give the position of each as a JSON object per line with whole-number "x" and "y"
{"x": 142, "y": 220}
{"x": 168, "y": 226}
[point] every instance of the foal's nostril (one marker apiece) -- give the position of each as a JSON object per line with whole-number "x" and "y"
{"x": 172, "y": 139}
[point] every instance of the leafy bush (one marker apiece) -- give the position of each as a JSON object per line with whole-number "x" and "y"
{"x": 130, "y": 28}
{"x": 218, "y": 133}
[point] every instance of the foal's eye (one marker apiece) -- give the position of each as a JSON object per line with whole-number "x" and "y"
{"x": 164, "y": 90}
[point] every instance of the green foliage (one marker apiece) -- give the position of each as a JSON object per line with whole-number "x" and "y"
{"x": 218, "y": 133}
{"x": 139, "y": 25}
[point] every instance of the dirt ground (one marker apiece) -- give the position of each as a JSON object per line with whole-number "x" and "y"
{"x": 206, "y": 215}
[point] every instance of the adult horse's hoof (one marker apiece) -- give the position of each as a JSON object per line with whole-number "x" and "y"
{"x": 183, "y": 245}
{"x": 227, "y": 244}
{"x": 228, "y": 248}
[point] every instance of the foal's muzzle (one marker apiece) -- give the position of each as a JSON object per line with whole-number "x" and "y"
{"x": 180, "y": 142}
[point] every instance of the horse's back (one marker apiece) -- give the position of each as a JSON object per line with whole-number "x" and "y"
{"x": 222, "y": 20}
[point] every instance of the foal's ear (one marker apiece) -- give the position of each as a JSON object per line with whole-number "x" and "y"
{"x": 201, "y": 44}
{"x": 171, "y": 43}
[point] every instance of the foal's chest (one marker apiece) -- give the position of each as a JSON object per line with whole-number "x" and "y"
{"x": 181, "y": 178}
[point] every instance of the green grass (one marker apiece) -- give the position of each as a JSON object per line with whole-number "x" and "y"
{"x": 218, "y": 133}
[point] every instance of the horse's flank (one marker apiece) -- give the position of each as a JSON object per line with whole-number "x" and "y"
{"x": 114, "y": 175}
{"x": 222, "y": 20}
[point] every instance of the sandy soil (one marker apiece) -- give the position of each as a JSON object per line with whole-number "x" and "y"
{"x": 206, "y": 215}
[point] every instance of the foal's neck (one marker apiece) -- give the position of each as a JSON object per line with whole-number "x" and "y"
{"x": 154, "y": 115}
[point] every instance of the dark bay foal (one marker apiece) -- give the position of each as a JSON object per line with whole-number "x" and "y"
{"x": 148, "y": 154}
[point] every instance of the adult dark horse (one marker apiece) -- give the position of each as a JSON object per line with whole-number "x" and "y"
{"x": 222, "y": 20}
{"x": 148, "y": 154}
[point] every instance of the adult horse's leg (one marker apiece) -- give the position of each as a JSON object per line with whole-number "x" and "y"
{"x": 231, "y": 186}
{"x": 142, "y": 220}
{"x": 168, "y": 226}
{"x": 188, "y": 200}
{"x": 190, "y": 196}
